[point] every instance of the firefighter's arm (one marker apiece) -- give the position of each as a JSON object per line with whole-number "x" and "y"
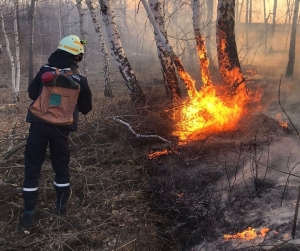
{"x": 85, "y": 97}
{"x": 34, "y": 87}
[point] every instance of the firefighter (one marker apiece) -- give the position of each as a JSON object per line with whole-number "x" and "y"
{"x": 42, "y": 134}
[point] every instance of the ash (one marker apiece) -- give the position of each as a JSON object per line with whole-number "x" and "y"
{"x": 227, "y": 183}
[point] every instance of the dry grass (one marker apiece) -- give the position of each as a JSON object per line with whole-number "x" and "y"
{"x": 108, "y": 208}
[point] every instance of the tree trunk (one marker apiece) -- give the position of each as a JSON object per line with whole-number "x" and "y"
{"x": 237, "y": 11}
{"x": 11, "y": 58}
{"x": 16, "y": 90}
{"x": 31, "y": 29}
{"x": 229, "y": 64}
{"x": 274, "y": 17}
{"x": 124, "y": 17}
{"x": 96, "y": 22}
{"x": 82, "y": 31}
{"x": 187, "y": 79}
{"x": 241, "y": 9}
{"x": 247, "y": 24}
{"x": 288, "y": 11}
{"x": 59, "y": 18}
{"x": 265, "y": 11}
{"x": 292, "y": 52}
{"x": 167, "y": 64}
{"x": 250, "y": 11}
{"x": 209, "y": 24}
{"x": 201, "y": 50}
{"x": 136, "y": 93}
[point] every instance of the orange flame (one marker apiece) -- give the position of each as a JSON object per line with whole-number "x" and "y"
{"x": 157, "y": 154}
{"x": 282, "y": 123}
{"x": 208, "y": 113}
{"x": 204, "y": 61}
{"x": 185, "y": 76}
{"x": 232, "y": 75}
{"x": 247, "y": 234}
{"x": 209, "y": 110}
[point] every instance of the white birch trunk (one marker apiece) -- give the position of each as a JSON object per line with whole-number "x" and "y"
{"x": 187, "y": 79}
{"x": 16, "y": 90}
{"x": 82, "y": 31}
{"x": 30, "y": 52}
{"x": 209, "y": 25}
{"x": 167, "y": 64}
{"x": 107, "y": 82}
{"x": 201, "y": 49}
{"x": 118, "y": 53}
{"x": 59, "y": 21}
{"x": 11, "y": 58}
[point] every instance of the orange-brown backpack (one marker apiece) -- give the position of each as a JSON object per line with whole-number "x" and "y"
{"x": 58, "y": 98}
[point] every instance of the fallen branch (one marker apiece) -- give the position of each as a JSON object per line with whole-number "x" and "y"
{"x": 137, "y": 134}
{"x": 124, "y": 245}
{"x": 14, "y": 150}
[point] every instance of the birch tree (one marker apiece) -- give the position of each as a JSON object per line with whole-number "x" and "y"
{"x": 30, "y": 52}
{"x": 265, "y": 11}
{"x": 96, "y": 22}
{"x": 184, "y": 75}
{"x": 16, "y": 89}
{"x": 247, "y": 23}
{"x": 135, "y": 91}
{"x": 292, "y": 52}
{"x": 274, "y": 16}
{"x": 250, "y": 11}
{"x": 229, "y": 64}
{"x": 15, "y": 66}
{"x": 167, "y": 64}
{"x": 82, "y": 30}
{"x": 209, "y": 24}
{"x": 201, "y": 49}
{"x": 240, "y": 10}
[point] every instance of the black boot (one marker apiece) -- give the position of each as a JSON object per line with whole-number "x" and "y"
{"x": 27, "y": 221}
{"x": 60, "y": 210}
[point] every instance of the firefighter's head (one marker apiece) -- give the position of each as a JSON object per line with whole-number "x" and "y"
{"x": 73, "y": 45}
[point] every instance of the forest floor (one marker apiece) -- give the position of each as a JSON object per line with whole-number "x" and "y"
{"x": 185, "y": 199}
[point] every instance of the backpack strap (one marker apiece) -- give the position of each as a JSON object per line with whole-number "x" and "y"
{"x": 73, "y": 71}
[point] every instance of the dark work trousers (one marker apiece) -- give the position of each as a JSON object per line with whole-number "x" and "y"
{"x": 40, "y": 135}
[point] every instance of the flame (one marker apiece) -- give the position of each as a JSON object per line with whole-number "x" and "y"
{"x": 211, "y": 109}
{"x": 232, "y": 75}
{"x": 185, "y": 76}
{"x": 208, "y": 113}
{"x": 204, "y": 61}
{"x": 157, "y": 154}
{"x": 282, "y": 123}
{"x": 247, "y": 234}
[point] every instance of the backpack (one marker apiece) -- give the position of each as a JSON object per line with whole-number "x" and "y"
{"x": 58, "y": 98}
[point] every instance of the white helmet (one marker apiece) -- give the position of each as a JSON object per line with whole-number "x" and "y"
{"x": 72, "y": 44}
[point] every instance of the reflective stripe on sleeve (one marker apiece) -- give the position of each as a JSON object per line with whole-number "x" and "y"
{"x": 30, "y": 189}
{"x": 61, "y": 185}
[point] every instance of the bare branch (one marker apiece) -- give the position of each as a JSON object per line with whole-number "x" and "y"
{"x": 137, "y": 134}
